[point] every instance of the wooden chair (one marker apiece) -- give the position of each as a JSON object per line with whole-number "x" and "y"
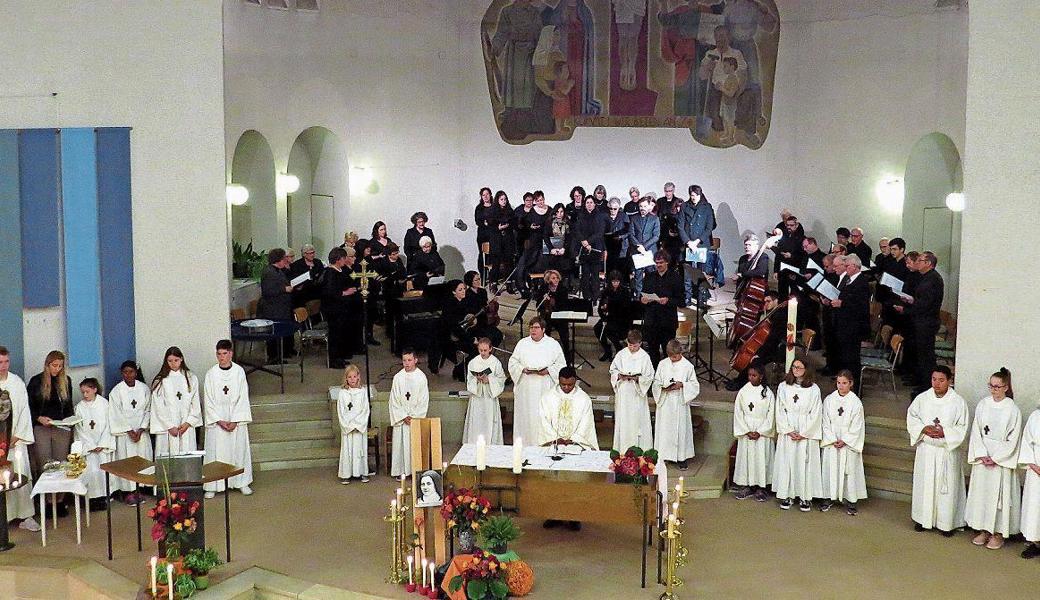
{"x": 252, "y": 307}
{"x": 309, "y": 334}
{"x": 808, "y": 337}
{"x": 388, "y": 447}
{"x": 237, "y": 314}
{"x": 375, "y": 447}
{"x": 883, "y": 365}
{"x": 875, "y": 316}
{"x": 880, "y": 349}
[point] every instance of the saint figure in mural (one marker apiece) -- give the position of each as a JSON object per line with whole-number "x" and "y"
{"x": 576, "y": 29}
{"x": 512, "y": 49}
{"x": 679, "y": 47}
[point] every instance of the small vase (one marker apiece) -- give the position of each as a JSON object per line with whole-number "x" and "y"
{"x": 467, "y": 541}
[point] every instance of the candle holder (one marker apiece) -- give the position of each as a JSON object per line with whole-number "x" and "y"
{"x": 403, "y": 537}
{"x": 394, "y": 519}
{"x": 424, "y": 591}
{"x": 672, "y": 580}
{"x": 410, "y": 588}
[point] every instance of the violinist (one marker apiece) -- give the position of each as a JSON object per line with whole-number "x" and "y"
{"x": 615, "y": 316}
{"x": 551, "y": 297}
{"x": 481, "y": 314}
{"x": 774, "y": 347}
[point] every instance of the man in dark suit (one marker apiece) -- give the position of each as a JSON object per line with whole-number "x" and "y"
{"x": 661, "y": 318}
{"x": 851, "y": 314}
{"x": 923, "y": 309}
{"x": 644, "y": 232}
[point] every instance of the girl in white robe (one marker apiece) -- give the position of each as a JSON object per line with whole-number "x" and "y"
{"x": 176, "y": 410}
{"x": 675, "y": 387}
{"x": 485, "y": 382}
{"x": 1029, "y": 459}
{"x": 353, "y": 410}
{"x": 631, "y": 375}
{"x": 937, "y": 422}
{"x": 799, "y": 429}
{"x": 19, "y": 502}
{"x": 755, "y": 429}
{"x": 409, "y": 399}
{"x": 993, "y": 492}
{"x": 228, "y": 416}
{"x": 129, "y": 413}
{"x": 534, "y": 368}
{"x": 95, "y": 435}
{"x": 843, "y": 432}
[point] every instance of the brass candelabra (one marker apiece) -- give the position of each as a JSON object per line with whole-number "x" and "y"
{"x": 395, "y": 518}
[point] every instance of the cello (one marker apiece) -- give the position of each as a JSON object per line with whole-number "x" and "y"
{"x": 750, "y": 298}
{"x": 752, "y": 342}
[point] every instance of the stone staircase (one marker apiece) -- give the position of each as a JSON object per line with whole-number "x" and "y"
{"x": 888, "y": 459}
{"x": 292, "y": 431}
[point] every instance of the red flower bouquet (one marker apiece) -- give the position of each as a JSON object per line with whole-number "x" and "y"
{"x": 464, "y": 509}
{"x": 483, "y": 577}
{"x": 174, "y": 518}
{"x": 634, "y": 466}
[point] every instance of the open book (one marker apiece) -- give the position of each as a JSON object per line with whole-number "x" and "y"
{"x": 67, "y": 423}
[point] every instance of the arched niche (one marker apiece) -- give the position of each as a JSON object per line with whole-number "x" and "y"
{"x": 317, "y": 211}
{"x": 933, "y": 170}
{"x": 257, "y": 220}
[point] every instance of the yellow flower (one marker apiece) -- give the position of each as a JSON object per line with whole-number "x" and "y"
{"x": 451, "y": 522}
{"x": 485, "y": 510}
{"x": 475, "y": 525}
{"x": 177, "y": 526}
{"x": 472, "y": 504}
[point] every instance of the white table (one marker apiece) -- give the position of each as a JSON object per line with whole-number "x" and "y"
{"x": 54, "y": 483}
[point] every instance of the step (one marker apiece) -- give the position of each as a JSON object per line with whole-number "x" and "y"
{"x": 309, "y": 463}
{"x": 890, "y": 441}
{"x": 896, "y": 465}
{"x": 288, "y": 431}
{"x": 886, "y": 423}
{"x": 292, "y": 412}
{"x": 289, "y": 398}
{"x": 892, "y": 486}
{"x": 293, "y": 450}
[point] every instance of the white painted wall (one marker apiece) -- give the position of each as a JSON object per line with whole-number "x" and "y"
{"x": 155, "y": 66}
{"x": 998, "y": 322}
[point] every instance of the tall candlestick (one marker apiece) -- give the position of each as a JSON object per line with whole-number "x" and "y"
{"x": 433, "y": 577}
{"x": 393, "y": 508}
{"x": 518, "y": 455}
{"x": 400, "y": 492}
{"x": 153, "y": 562}
{"x": 792, "y": 331}
{"x": 169, "y": 579}
{"x": 671, "y": 525}
{"x": 682, "y": 484}
{"x": 411, "y": 580}
{"x": 481, "y": 453}
{"x": 675, "y": 509}
{"x": 424, "y": 563}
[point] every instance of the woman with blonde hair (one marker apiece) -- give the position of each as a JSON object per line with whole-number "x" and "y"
{"x": 50, "y": 399}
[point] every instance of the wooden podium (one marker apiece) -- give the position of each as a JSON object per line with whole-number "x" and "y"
{"x": 130, "y": 469}
{"x": 426, "y": 456}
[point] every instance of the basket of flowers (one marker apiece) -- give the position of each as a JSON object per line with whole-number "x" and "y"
{"x": 634, "y": 466}
{"x": 483, "y": 578}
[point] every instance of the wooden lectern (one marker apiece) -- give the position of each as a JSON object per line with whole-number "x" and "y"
{"x": 426, "y": 456}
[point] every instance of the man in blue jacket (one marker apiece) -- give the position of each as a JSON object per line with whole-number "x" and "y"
{"x": 696, "y": 222}
{"x": 643, "y": 234}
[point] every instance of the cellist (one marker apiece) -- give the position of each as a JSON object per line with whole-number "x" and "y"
{"x": 752, "y": 283}
{"x": 774, "y": 346}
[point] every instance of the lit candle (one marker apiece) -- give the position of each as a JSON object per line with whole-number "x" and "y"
{"x": 399, "y": 493}
{"x": 424, "y": 563}
{"x": 675, "y": 509}
{"x": 7, "y": 479}
{"x": 682, "y": 485}
{"x": 678, "y": 490}
{"x": 518, "y": 455}
{"x": 671, "y": 525}
{"x": 792, "y": 331}
{"x": 169, "y": 578}
{"x": 393, "y": 509}
{"x": 411, "y": 580}
{"x": 481, "y": 453}
{"x": 432, "y": 575}
{"x": 154, "y": 560}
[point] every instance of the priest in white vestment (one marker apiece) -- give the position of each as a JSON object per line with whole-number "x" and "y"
{"x": 993, "y": 506}
{"x": 937, "y": 422}
{"x": 1029, "y": 459}
{"x": 844, "y": 428}
{"x": 631, "y": 375}
{"x": 353, "y": 410}
{"x": 485, "y": 382}
{"x": 176, "y": 410}
{"x": 534, "y": 368}
{"x": 675, "y": 387}
{"x": 19, "y": 502}
{"x": 567, "y": 414}
{"x": 228, "y": 416}
{"x": 129, "y": 413}
{"x": 755, "y": 429}
{"x": 95, "y": 436}
{"x": 409, "y": 399}
{"x": 799, "y": 429}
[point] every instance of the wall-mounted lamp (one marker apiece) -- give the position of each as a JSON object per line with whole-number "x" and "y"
{"x": 362, "y": 178}
{"x": 890, "y": 193}
{"x": 237, "y": 194}
{"x": 286, "y": 184}
{"x": 955, "y": 201}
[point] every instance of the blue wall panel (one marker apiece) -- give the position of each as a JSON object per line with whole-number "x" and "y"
{"x": 118, "y": 332}
{"x": 41, "y": 238}
{"x": 82, "y": 274}
{"x": 10, "y": 252}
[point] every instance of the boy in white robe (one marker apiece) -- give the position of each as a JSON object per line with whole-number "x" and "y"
{"x": 567, "y": 414}
{"x": 675, "y": 387}
{"x": 176, "y": 410}
{"x": 409, "y": 399}
{"x": 843, "y": 431}
{"x": 992, "y": 507}
{"x": 755, "y": 429}
{"x": 485, "y": 382}
{"x": 799, "y": 429}
{"x": 129, "y": 412}
{"x": 227, "y": 420}
{"x": 534, "y": 367}
{"x": 353, "y": 409}
{"x": 1029, "y": 459}
{"x": 95, "y": 435}
{"x": 937, "y": 422}
{"x": 19, "y": 502}
{"x": 631, "y": 375}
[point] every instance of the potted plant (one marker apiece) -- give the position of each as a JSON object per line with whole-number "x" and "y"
{"x": 497, "y": 532}
{"x": 184, "y": 586}
{"x": 482, "y": 577}
{"x": 174, "y": 516}
{"x": 201, "y": 561}
{"x": 247, "y": 263}
{"x": 465, "y": 510}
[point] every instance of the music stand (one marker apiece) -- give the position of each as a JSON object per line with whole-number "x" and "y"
{"x": 518, "y": 318}
{"x": 713, "y": 376}
{"x": 578, "y": 312}
{"x": 705, "y": 369}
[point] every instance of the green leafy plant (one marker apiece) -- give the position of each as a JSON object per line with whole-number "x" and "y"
{"x": 483, "y": 578}
{"x": 497, "y": 532}
{"x": 184, "y": 586}
{"x": 246, "y": 262}
{"x": 202, "y": 560}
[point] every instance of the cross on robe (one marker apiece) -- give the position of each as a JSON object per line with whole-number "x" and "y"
{"x": 407, "y": 396}
{"x": 985, "y": 430}
{"x": 133, "y": 403}
{"x": 226, "y": 390}
{"x": 751, "y": 406}
{"x": 92, "y": 423}
{"x": 936, "y": 421}
{"x": 796, "y": 398}
{"x": 350, "y": 406}
{"x": 178, "y": 395}
{"x": 841, "y": 410}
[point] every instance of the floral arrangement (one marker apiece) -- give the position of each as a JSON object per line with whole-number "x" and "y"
{"x": 464, "y": 509}
{"x": 634, "y": 466}
{"x": 174, "y": 517}
{"x": 483, "y": 577}
{"x": 520, "y": 578}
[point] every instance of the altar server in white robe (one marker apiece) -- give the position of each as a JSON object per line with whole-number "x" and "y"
{"x": 631, "y": 375}
{"x": 534, "y": 368}
{"x": 675, "y": 387}
{"x": 567, "y": 414}
{"x": 228, "y": 416}
{"x": 409, "y": 399}
{"x": 937, "y": 422}
{"x": 95, "y": 436}
{"x": 843, "y": 432}
{"x": 993, "y": 507}
{"x": 176, "y": 410}
{"x": 129, "y": 412}
{"x": 754, "y": 426}
{"x": 353, "y": 409}
{"x": 485, "y": 382}
{"x": 1029, "y": 459}
{"x": 19, "y": 502}
{"x": 799, "y": 429}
